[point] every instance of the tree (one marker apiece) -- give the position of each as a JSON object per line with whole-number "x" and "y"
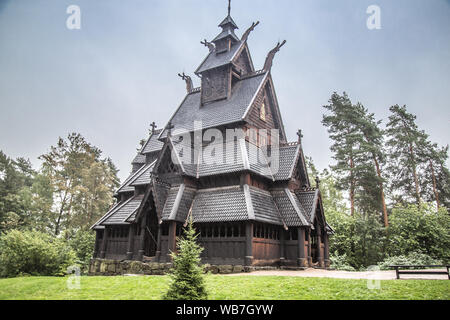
{"x": 344, "y": 133}
{"x": 419, "y": 229}
{"x": 435, "y": 185}
{"x": 407, "y": 147}
{"x": 82, "y": 182}
{"x": 187, "y": 280}
{"x": 357, "y": 150}
{"x": 16, "y": 192}
{"x": 93, "y": 196}
{"x": 373, "y": 143}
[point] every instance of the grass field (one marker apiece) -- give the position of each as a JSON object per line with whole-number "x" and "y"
{"x": 223, "y": 288}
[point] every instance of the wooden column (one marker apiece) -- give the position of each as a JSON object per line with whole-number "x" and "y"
{"x": 326, "y": 251}
{"x": 282, "y": 246}
{"x": 103, "y": 248}
{"x": 301, "y": 259}
{"x": 248, "y": 244}
{"x": 158, "y": 244}
{"x": 141, "y": 251}
{"x": 309, "y": 257}
{"x": 172, "y": 242}
{"x": 131, "y": 242}
{"x": 97, "y": 244}
{"x": 319, "y": 245}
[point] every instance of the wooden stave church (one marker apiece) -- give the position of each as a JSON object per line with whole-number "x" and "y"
{"x": 243, "y": 216}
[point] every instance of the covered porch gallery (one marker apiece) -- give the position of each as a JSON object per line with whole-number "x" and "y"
{"x": 238, "y": 243}
{"x": 236, "y": 226}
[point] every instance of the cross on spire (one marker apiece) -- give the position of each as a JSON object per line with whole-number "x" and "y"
{"x": 317, "y": 182}
{"x": 169, "y": 128}
{"x": 154, "y": 126}
{"x": 300, "y": 136}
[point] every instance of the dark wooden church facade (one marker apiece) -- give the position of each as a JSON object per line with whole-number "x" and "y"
{"x": 246, "y": 213}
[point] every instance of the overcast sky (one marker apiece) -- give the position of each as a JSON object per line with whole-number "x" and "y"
{"x": 118, "y": 73}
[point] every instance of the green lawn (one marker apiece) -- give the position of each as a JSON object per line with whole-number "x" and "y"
{"x": 223, "y": 288}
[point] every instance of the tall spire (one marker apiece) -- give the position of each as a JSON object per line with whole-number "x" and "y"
{"x": 228, "y": 26}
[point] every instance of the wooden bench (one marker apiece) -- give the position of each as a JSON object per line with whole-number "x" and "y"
{"x": 420, "y": 271}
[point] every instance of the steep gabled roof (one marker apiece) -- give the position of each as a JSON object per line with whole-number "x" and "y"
{"x": 110, "y": 212}
{"x": 289, "y": 208}
{"x": 144, "y": 176}
{"x": 220, "y": 112}
{"x": 121, "y": 215}
{"x": 228, "y": 21}
{"x": 152, "y": 144}
{"x": 139, "y": 159}
{"x": 269, "y": 91}
{"x": 126, "y": 185}
{"x": 308, "y": 199}
{"x": 120, "y": 212}
{"x": 226, "y": 33}
{"x": 218, "y": 59}
{"x": 288, "y": 157}
{"x": 178, "y": 203}
{"x": 236, "y": 157}
{"x": 264, "y": 207}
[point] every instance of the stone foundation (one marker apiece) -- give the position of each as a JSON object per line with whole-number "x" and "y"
{"x": 105, "y": 267}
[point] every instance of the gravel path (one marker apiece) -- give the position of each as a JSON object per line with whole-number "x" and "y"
{"x": 319, "y": 273}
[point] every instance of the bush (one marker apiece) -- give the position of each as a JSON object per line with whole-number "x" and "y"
{"x": 420, "y": 229}
{"x": 187, "y": 279}
{"x": 339, "y": 262}
{"x": 82, "y": 243}
{"x": 360, "y": 239}
{"x": 413, "y": 258}
{"x": 34, "y": 253}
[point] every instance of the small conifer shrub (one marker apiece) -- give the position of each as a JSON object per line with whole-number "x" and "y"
{"x": 187, "y": 277}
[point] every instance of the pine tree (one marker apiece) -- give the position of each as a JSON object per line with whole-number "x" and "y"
{"x": 187, "y": 279}
{"x": 435, "y": 185}
{"x": 407, "y": 147}
{"x": 356, "y": 148}
{"x": 344, "y": 133}
{"x": 374, "y": 140}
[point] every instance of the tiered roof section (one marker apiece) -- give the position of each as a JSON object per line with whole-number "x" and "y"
{"x": 276, "y": 203}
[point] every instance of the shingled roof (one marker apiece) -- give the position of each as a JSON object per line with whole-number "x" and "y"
{"x": 178, "y": 203}
{"x": 152, "y": 144}
{"x": 288, "y": 156}
{"x": 289, "y": 208}
{"x": 220, "y": 205}
{"x": 229, "y": 204}
{"x": 219, "y": 112}
{"x": 218, "y": 59}
{"x": 264, "y": 207}
{"x": 308, "y": 201}
{"x": 237, "y": 156}
{"x": 144, "y": 175}
{"x": 121, "y": 212}
{"x": 139, "y": 159}
{"x": 139, "y": 177}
